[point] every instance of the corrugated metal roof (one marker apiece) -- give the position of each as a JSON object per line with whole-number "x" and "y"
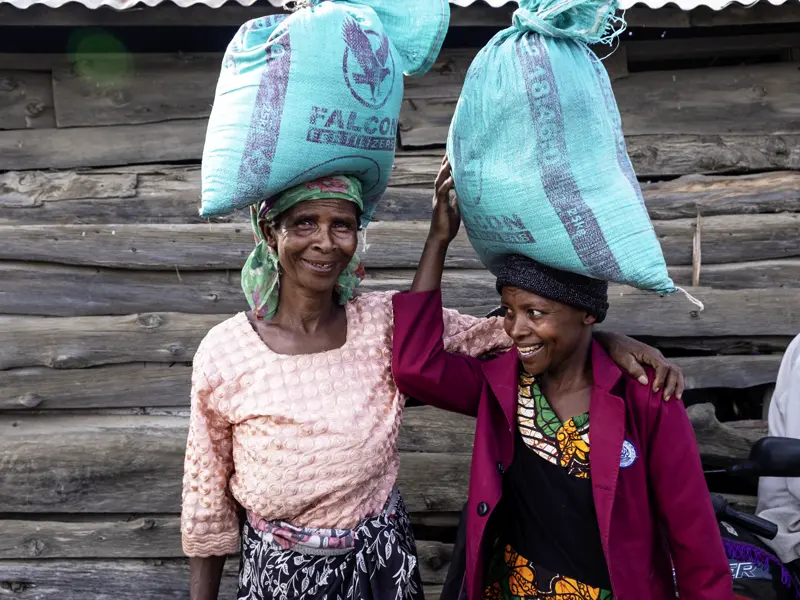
{"x": 690, "y": 4}
{"x": 123, "y": 4}
{"x": 625, "y": 4}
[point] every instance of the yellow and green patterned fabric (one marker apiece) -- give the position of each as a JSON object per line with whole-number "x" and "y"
{"x": 511, "y": 576}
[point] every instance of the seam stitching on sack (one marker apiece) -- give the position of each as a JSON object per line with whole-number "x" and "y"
{"x": 430, "y": 59}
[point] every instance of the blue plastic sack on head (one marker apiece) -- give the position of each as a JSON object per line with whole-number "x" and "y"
{"x": 538, "y": 156}
{"x": 315, "y": 93}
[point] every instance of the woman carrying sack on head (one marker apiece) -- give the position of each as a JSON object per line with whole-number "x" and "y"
{"x": 585, "y": 485}
{"x": 295, "y": 416}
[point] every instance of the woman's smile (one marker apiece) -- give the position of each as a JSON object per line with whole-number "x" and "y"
{"x": 527, "y": 352}
{"x": 320, "y": 267}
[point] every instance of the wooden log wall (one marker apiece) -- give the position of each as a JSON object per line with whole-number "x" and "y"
{"x": 109, "y": 279}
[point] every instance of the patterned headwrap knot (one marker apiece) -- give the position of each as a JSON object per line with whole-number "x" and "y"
{"x": 261, "y": 271}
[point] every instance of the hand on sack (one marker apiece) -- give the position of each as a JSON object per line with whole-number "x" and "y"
{"x": 446, "y": 217}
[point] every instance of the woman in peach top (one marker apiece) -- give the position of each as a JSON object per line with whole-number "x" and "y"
{"x": 295, "y": 416}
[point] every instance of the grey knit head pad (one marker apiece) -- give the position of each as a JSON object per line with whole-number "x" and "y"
{"x": 575, "y": 290}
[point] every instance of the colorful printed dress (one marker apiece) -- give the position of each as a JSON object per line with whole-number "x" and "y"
{"x": 549, "y": 546}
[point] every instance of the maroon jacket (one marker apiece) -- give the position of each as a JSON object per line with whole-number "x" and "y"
{"x": 653, "y": 509}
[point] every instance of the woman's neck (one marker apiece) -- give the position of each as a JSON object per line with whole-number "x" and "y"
{"x": 304, "y": 311}
{"x": 572, "y": 375}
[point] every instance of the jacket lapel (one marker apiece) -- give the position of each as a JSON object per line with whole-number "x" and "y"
{"x": 606, "y": 436}
{"x": 502, "y": 374}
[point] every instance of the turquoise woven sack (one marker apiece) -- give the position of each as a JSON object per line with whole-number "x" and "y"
{"x": 315, "y": 93}
{"x": 538, "y": 156}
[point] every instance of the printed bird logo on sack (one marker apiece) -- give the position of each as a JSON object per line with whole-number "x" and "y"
{"x": 365, "y": 66}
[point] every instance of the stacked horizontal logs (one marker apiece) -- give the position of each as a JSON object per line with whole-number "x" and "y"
{"x": 109, "y": 279}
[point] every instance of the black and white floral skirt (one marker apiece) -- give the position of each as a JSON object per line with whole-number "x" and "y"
{"x": 376, "y": 560}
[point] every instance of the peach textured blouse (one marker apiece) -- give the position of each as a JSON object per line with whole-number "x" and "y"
{"x": 310, "y": 439}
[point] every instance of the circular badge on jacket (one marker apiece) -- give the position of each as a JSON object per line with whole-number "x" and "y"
{"x": 628, "y": 456}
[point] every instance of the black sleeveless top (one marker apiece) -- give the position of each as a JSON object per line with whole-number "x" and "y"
{"x": 549, "y": 516}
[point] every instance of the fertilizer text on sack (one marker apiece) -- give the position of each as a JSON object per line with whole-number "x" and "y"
{"x": 503, "y": 228}
{"x": 348, "y": 129}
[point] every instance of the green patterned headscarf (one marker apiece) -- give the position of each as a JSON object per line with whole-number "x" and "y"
{"x": 261, "y": 272}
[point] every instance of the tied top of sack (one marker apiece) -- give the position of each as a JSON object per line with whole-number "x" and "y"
{"x": 588, "y": 21}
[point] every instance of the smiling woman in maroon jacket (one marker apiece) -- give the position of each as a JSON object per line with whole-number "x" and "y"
{"x": 584, "y": 483}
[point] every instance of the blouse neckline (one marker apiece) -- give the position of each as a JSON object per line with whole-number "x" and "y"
{"x": 349, "y": 316}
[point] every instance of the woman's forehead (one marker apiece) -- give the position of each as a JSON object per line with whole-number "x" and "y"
{"x": 324, "y": 205}
{"x": 520, "y": 297}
